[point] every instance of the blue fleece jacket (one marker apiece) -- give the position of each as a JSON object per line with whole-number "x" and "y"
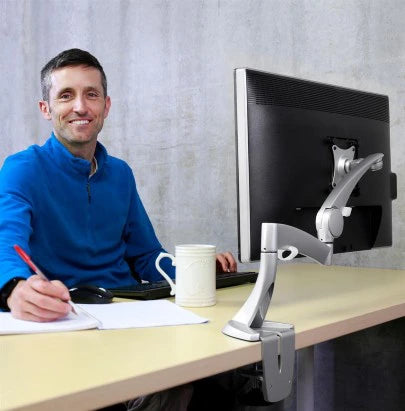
{"x": 77, "y": 229}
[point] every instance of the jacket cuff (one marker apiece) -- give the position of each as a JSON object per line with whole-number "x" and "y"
{"x": 6, "y": 291}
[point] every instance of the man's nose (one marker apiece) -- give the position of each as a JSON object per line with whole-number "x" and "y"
{"x": 79, "y": 105}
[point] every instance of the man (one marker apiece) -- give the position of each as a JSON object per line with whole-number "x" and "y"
{"x": 70, "y": 205}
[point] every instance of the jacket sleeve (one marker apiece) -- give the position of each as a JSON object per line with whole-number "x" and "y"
{"x": 15, "y": 219}
{"x": 142, "y": 245}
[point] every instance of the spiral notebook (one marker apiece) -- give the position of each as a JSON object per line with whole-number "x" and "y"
{"x": 156, "y": 313}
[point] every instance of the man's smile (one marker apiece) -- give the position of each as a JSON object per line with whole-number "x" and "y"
{"x": 79, "y": 122}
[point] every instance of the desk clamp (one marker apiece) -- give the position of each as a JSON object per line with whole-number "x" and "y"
{"x": 280, "y": 241}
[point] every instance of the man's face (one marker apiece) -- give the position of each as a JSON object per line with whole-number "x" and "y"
{"x": 77, "y": 106}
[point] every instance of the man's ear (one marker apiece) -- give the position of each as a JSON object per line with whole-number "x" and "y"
{"x": 107, "y": 106}
{"x": 44, "y": 107}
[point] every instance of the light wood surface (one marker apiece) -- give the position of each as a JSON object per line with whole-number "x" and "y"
{"x": 89, "y": 369}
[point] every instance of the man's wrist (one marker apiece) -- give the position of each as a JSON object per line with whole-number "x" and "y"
{"x": 6, "y": 291}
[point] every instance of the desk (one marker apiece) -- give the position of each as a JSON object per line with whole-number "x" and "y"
{"x": 91, "y": 369}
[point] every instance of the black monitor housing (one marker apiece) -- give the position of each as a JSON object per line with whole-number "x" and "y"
{"x": 288, "y": 133}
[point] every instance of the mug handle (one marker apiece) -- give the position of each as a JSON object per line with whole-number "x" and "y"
{"x": 167, "y": 278}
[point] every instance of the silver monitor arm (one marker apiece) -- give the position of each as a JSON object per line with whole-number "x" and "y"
{"x": 278, "y": 339}
{"x": 329, "y": 220}
{"x": 279, "y": 238}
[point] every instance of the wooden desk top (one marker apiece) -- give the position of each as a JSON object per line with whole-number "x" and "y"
{"x": 90, "y": 369}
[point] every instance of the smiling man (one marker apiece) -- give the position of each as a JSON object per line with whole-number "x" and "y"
{"x": 74, "y": 208}
{"x": 77, "y": 105}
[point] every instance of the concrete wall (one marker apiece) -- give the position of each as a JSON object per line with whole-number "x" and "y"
{"x": 170, "y": 71}
{"x": 169, "y": 66}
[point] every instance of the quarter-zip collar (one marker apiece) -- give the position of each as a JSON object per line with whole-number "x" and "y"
{"x": 62, "y": 157}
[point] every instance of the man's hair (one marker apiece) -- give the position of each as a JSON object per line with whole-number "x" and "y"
{"x": 72, "y": 57}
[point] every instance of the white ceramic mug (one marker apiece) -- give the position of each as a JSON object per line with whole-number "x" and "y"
{"x": 195, "y": 274}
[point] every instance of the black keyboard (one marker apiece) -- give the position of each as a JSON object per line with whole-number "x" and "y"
{"x": 161, "y": 289}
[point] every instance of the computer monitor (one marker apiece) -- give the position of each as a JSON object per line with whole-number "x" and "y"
{"x": 286, "y": 129}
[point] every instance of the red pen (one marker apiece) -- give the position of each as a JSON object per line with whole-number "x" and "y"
{"x": 25, "y": 257}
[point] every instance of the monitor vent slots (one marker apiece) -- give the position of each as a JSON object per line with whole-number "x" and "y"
{"x": 314, "y": 96}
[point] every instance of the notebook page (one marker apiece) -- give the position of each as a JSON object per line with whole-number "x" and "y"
{"x": 154, "y": 313}
{"x": 72, "y": 322}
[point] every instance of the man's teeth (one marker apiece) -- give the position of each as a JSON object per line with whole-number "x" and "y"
{"x": 80, "y": 122}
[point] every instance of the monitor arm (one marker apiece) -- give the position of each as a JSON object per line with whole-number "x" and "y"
{"x": 279, "y": 239}
{"x": 284, "y": 242}
{"x": 329, "y": 220}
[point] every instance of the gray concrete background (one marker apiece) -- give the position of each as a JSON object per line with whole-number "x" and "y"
{"x": 170, "y": 71}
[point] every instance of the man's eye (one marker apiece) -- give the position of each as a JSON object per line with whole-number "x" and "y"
{"x": 92, "y": 94}
{"x": 65, "y": 96}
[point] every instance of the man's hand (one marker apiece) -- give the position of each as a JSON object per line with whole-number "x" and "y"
{"x": 226, "y": 263}
{"x": 39, "y": 300}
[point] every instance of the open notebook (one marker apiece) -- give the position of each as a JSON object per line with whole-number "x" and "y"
{"x": 154, "y": 313}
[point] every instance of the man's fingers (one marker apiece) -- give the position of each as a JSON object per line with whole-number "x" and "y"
{"x": 54, "y": 289}
{"x": 39, "y": 300}
{"x": 221, "y": 263}
{"x": 231, "y": 262}
{"x": 45, "y": 306}
{"x": 227, "y": 262}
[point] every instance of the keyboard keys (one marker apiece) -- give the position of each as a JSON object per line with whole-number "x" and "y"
{"x": 161, "y": 289}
